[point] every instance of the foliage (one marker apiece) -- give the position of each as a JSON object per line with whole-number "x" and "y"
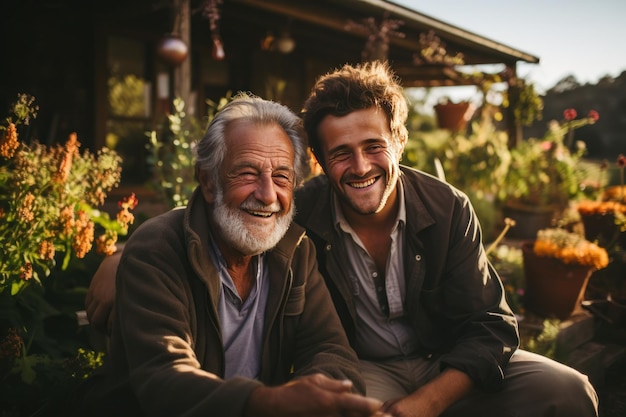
{"x": 529, "y": 106}
{"x": 605, "y": 217}
{"x": 508, "y": 261}
{"x": 545, "y": 342}
{"x": 49, "y": 199}
{"x": 126, "y": 95}
{"x": 434, "y": 51}
{"x": 172, "y": 157}
{"x": 477, "y": 164}
{"x": 545, "y": 171}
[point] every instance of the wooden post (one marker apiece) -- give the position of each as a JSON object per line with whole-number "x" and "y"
{"x": 514, "y": 128}
{"x": 182, "y": 73}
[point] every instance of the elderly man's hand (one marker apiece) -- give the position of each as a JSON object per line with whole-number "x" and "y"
{"x": 101, "y": 294}
{"x": 313, "y": 395}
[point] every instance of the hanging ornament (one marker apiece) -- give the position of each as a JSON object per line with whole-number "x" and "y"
{"x": 285, "y": 44}
{"x": 379, "y": 36}
{"x": 210, "y": 11}
{"x": 172, "y": 50}
{"x": 218, "y": 50}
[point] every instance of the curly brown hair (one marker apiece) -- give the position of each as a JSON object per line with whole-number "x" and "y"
{"x": 356, "y": 87}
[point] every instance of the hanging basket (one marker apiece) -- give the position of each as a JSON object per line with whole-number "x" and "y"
{"x": 553, "y": 288}
{"x": 454, "y": 116}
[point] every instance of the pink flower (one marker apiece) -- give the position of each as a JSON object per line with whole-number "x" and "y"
{"x": 569, "y": 114}
{"x": 593, "y": 115}
{"x": 621, "y": 160}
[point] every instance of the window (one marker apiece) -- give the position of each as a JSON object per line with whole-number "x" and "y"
{"x": 129, "y": 105}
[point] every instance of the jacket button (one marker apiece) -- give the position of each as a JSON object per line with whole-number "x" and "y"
{"x": 418, "y": 257}
{"x": 328, "y": 247}
{"x": 429, "y": 356}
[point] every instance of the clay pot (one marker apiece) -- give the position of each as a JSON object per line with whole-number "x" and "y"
{"x": 553, "y": 288}
{"x": 454, "y": 116}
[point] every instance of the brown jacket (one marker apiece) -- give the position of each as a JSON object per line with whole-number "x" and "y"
{"x": 166, "y": 355}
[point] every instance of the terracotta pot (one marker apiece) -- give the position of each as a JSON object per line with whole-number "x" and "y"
{"x": 553, "y": 288}
{"x": 454, "y": 116}
{"x": 529, "y": 219}
{"x": 602, "y": 227}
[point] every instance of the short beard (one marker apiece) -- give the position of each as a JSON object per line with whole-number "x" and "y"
{"x": 244, "y": 236}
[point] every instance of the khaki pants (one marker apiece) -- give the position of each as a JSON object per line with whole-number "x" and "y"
{"x": 535, "y": 386}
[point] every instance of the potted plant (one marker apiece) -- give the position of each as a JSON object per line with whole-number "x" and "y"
{"x": 604, "y": 219}
{"x": 557, "y": 268}
{"x": 544, "y": 175}
{"x": 433, "y": 53}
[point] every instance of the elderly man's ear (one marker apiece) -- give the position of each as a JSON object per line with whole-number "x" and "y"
{"x": 206, "y": 186}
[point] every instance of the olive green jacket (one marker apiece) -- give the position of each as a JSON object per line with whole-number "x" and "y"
{"x": 455, "y": 301}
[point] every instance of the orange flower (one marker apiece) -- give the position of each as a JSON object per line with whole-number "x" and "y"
{"x": 46, "y": 250}
{"x": 67, "y": 220}
{"x": 124, "y": 216}
{"x": 9, "y": 143}
{"x": 570, "y": 248}
{"x": 587, "y": 207}
{"x": 129, "y": 202}
{"x": 26, "y": 271}
{"x": 83, "y": 239}
{"x": 65, "y": 164}
{"x": 105, "y": 244}
{"x": 25, "y": 211}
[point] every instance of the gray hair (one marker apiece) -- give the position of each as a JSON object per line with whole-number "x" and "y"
{"x": 211, "y": 149}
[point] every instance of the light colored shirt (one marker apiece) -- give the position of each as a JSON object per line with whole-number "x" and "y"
{"x": 242, "y": 321}
{"x": 382, "y": 330}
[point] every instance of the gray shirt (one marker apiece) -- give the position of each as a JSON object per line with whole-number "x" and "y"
{"x": 242, "y": 321}
{"x": 382, "y": 330}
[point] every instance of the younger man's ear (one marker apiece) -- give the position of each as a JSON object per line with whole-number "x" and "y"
{"x": 206, "y": 186}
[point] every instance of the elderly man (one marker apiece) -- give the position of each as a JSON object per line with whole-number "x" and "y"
{"x": 220, "y": 308}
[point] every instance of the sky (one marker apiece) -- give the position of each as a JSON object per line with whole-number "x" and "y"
{"x": 570, "y": 37}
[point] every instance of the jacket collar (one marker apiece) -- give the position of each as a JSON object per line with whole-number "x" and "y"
{"x": 320, "y": 220}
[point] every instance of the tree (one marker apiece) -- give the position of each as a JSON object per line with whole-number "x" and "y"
{"x": 565, "y": 84}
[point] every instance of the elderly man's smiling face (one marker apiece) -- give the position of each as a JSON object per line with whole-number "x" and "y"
{"x": 253, "y": 204}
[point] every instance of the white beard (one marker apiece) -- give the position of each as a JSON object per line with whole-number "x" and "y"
{"x": 244, "y": 235}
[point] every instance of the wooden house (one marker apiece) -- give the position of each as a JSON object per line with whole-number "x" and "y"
{"x": 105, "y": 69}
